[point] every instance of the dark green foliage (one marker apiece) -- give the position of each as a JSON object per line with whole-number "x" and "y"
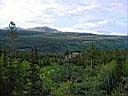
{"x": 60, "y": 42}
{"x": 92, "y": 72}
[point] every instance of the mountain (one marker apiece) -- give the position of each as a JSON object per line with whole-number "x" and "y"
{"x": 37, "y": 29}
{"x": 43, "y": 29}
{"x": 50, "y": 40}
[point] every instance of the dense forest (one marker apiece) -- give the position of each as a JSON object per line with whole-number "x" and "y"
{"x": 92, "y": 72}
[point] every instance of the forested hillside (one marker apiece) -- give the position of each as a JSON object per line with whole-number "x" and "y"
{"x": 59, "y": 42}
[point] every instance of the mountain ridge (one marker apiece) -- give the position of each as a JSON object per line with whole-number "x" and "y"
{"x": 37, "y": 29}
{"x": 53, "y": 30}
{"x": 43, "y": 29}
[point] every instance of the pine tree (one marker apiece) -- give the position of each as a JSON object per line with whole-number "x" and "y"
{"x": 36, "y": 83}
{"x": 92, "y": 54}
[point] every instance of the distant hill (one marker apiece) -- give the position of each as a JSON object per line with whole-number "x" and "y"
{"x": 37, "y": 29}
{"x": 43, "y": 29}
{"x": 50, "y": 40}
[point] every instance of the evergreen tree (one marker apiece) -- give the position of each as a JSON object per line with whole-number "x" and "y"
{"x": 36, "y": 83}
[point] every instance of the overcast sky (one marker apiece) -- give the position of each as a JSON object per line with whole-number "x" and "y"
{"x": 95, "y": 16}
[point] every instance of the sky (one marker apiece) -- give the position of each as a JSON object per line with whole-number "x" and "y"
{"x": 90, "y": 16}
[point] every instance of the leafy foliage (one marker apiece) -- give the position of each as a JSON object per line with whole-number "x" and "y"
{"x": 93, "y": 72}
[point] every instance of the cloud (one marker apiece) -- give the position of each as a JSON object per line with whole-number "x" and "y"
{"x": 26, "y": 11}
{"x": 1, "y": 3}
{"x": 72, "y": 10}
{"x": 41, "y": 11}
{"x": 82, "y": 9}
{"x": 67, "y": 15}
{"x": 86, "y": 26}
{"x": 90, "y": 25}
